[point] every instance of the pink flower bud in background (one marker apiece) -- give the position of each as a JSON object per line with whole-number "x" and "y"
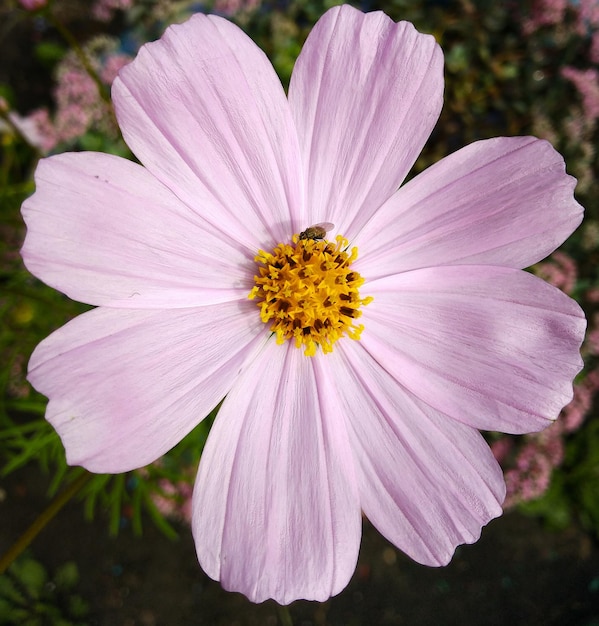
{"x": 33, "y": 5}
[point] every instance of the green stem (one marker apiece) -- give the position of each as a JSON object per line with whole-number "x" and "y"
{"x": 89, "y": 68}
{"x": 42, "y": 520}
{"x": 284, "y": 615}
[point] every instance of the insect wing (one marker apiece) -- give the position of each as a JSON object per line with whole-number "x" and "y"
{"x": 326, "y": 226}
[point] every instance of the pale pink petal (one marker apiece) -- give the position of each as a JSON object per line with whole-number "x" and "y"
{"x": 205, "y": 112}
{"x": 104, "y": 231}
{"x": 503, "y": 201}
{"x": 126, "y": 385}
{"x": 365, "y": 94}
{"x": 493, "y": 347}
{"x": 427, "y": 482}
{"x": 276, "y": 510}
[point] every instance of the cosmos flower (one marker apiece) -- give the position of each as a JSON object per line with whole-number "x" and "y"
{"x": 361, "y": 335}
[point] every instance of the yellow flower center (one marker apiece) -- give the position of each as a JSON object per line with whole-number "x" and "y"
{"x": 309, "y": 293}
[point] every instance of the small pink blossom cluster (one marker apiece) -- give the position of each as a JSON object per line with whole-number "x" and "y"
{"x": 587, "y": 84}
{"x": 11, "y": 124}
{"x": 33, "y": 5}
{"x": 104, "y": 10}
{"x": 79, "y": 106}
{"x": 588, "y": 14}
{"x": 560, "y": 270}
{"x": 530, "y": 477}
{"x": 574, "y": 414}
{"x": 571, "y": 25}
{"x": 530, "y": 465}
{"x": 172, "y": 498}
{"x": 233, "y": 7}
{"x": 553, "y": 12}
{"x": 530, "y": 461}
{"x": 545, "y": 13}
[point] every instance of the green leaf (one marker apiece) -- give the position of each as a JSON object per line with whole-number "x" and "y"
{"x": 78, "y": 608}
{"x": 31, "y": 574}
{"x": 49, "y": 52}
{"x": 66, "y": 576}
{"x": 9, "y": 591}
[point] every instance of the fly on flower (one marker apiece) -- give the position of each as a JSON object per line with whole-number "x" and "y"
{"x": 318, "y": 231}
{"x": 354, "y": 380}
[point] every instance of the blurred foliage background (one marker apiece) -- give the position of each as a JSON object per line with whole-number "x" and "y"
{"x": 512, "y": 68}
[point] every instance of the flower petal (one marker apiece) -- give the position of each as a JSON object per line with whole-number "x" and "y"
{"x": 495, "y": 348}
{"x": 125, "y": 385}
{"x": 104, "y": 231}
{"x": 365, "y": 94}
{"x": 276, "y": 512}
{"x": 504, "y": 201}
{"x": 427, "y": 482}
{"x": 205, "y": 112}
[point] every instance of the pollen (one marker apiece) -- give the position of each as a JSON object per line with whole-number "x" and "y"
{"x": 308, "y": 293}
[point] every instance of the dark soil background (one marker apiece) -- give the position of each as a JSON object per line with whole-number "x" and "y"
{"x": 518, "y": 574}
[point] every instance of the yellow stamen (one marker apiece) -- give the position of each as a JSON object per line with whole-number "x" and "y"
{"x": 308, "y": 292}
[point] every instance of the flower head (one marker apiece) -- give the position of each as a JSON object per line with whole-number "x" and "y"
{"x": 358, "y": 371}
{"x": 33, "y": 5}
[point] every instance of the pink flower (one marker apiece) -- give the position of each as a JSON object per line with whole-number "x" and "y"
{"x": 44, "y": 135}
{"x": 587, "y": 83}
{"x": 545, "y": 13}
{"x": 453, "y": 337}
{"x": 501, "y": 448}
{"x": 530, "y": 479}
{"x": 112, "y": 66}
{"x": 560, "y": 270}
{"x": 33, "y": 5}
{"x": 231, "y": 7}
{"x": 104, "y": 10}
{"x": 27, "y": 126}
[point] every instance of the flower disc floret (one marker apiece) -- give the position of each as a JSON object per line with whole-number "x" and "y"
{"x": 309, "y": 292}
